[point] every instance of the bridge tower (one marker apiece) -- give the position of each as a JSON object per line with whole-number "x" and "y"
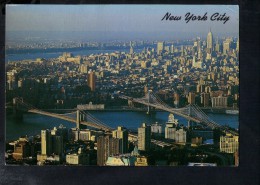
{"x": 18, "y": 114}
{"x": 189, "y": 113}
{"x": 130, "y": 103}
{"x": 78, "y": 119}
{"x": 149, "y": 109}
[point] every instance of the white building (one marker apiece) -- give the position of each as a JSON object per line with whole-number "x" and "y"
{"x": 172, "y": 131}
{"x": 85, "y": 135}
{"x": 219, "y": 101}
{"x": 156, "y": 128}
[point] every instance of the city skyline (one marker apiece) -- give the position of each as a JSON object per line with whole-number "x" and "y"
{"x": 111, "y": 22}
{"x": 131, "y": 87}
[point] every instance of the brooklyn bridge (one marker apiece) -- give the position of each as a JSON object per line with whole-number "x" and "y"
{"x": 191, "y": 112}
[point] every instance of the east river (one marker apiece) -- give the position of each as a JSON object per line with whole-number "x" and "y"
{"x": 32, "y": 124}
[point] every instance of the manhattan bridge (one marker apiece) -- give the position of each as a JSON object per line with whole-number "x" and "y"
{"x": 191, "y": 112}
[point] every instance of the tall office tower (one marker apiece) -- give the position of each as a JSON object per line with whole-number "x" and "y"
{"x": 131, "y": 48}
{"x": 172, "y": 48}
{"x": 182, "y": 51}
{"x": 210, "y": 41}
{"x": 191, "y": 98}
{"x": 200, "y": 54}
{"x": 57, "y": 144}
{"x": 226, "y": 47}
{"x": 122, "y": 134}
{"x": 176, "y": 100}
{"x": 217, "y": 46}
{"x": 102, "y": 150}
{"x": 237, "y": 47}
{"x": 106, "y": 146}
{"x": 60, "y": 131}
{"x": 144, "y": 137}
{"x": 92, "y": 81}
{"x": 198, "y": 44}
{"x": 46, "y": 142}
{"x": 159, "y": 48}
{"x": 205, "y": 99}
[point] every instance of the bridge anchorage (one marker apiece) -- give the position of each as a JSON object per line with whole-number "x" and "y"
{"x": 79, "y": 117}
{"x": 191, "y": 112}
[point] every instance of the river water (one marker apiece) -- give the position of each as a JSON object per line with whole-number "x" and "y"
{"x": 48, "y": 55}
{"x": 33, "y": 123}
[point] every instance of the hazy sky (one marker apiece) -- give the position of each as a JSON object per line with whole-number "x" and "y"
{"x": 120, "y": 18}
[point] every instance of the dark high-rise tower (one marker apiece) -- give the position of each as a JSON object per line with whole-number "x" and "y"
{"x": 92, "y": 81}
{"x": 106, "y": 146}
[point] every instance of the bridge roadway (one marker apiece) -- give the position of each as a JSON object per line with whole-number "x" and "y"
{"x": 63, "y": 117}
{"x": 171, "y": 110}
{"x": 60, "y": 116}
{"x": 175, "y": 111}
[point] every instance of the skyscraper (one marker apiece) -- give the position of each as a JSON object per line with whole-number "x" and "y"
{"x": 57, "y": 144}
{"x": 191, "y": 98}
{"x": 46, "y": 144}
{"x": 92, "y": 81}
{"x": 205, "y": 99}
{"x": 122, "y": 134}
{"x": 182, "y": 50}
{"x": 159, "y": 48}
{"x": 144, "y": 137}
{"x": 176, "y": 100}
{"x": 237, "y": 45}
{"x": 210, "y": 41}
{"x": 226, "y": 47}
{"x": 106, "y": 146}
{"x": 172, "y": 48}
{"x": 131, "y": 48}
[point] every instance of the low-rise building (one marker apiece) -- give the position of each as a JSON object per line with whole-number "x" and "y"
{"x": 156, "y": 128}
{"x": 79, "y": 158}
{"x": 121, "y": 160}
{"x": 141, "y": 161}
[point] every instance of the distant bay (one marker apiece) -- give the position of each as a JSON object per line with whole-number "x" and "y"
{"x": 32, "y": 55}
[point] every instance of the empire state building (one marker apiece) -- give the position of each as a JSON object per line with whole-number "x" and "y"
{"x": 210, "y": 41}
